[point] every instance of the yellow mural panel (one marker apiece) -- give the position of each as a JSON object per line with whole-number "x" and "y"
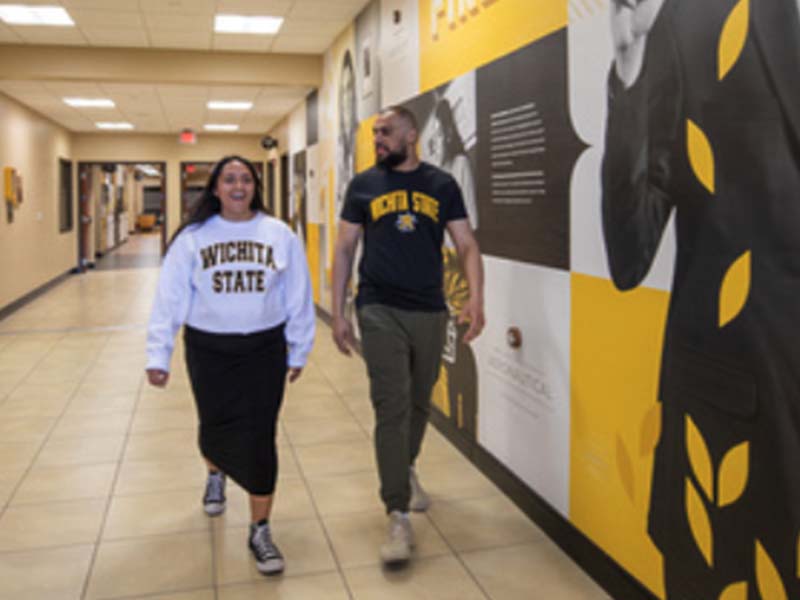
{"x": 614, "y": 415}
{"x": 457, "y": 36}
{"x": 365, "y": 150}
{"x": 312, "y": 254}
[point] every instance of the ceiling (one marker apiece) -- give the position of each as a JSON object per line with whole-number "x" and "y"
{"x": 158, "y": 106}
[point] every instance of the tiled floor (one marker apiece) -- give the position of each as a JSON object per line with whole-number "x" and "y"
{"x": 100, "y": 479}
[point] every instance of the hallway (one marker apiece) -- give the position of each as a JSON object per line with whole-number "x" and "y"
{"x": 101, "y": 481}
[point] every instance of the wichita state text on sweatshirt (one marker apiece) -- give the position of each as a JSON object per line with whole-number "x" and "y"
{"x": 233, "y": 277}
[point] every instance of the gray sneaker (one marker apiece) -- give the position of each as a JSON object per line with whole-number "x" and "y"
{"x": 269, "y": 560}
{"x": 420, "y": 501}
{"x": 400, "y": 540}
{"x": 214, "y": 498}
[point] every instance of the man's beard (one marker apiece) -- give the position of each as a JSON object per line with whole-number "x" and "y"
{"x": 393, "y": 159}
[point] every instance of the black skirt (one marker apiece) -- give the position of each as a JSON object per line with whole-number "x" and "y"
{"x": 238, "y": 383}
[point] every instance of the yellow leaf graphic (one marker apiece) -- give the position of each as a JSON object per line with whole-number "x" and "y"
{"x": 699, "y": 457}
{"x": 770, "y": 585}
{"x": 625, "y": 468}
{"x": 701, "y": 156}
{"x": 651, "y": 429}
{"x": 699, "y": 523}
{"x": 734, "y": 473}
{"x": 440, "y": 397}
{"x": 733, "y": 38}
{"x": 735, "y": 591}
{"x": 735, "y": 289}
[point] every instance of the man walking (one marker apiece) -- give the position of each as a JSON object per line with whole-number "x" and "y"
{"x": 402, "y": 206}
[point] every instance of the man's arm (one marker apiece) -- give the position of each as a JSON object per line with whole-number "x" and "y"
{"x": 470, "y": 255}
{"x": 343, "y": 255}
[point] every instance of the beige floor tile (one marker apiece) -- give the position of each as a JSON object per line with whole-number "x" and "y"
{"x": 25, "y": 429}
{"x": 101, "y": 403}
{"x": 92, "y": 425}
{"x": 151, "y": 565}
{"x": 17, "y": 454}
{"x": 173, "y": 443}
{"x": 49, "y": 574}
{"x": 151, "y": 398}
{"x": 155, "y": 514}
{"x": 357, "y": 538}
{"x": 292, "y": 503}
{"x": 80, "y": 450}
{"x": 519, "y": 572}
{"x": 302, "y": 543}
{"x": 309, "y": 388}
{"x": 204, "y": 594}
{"x": 34, "y": 407}
{"x": 436, "y": 448}
{"x": 9, "y": 478}
{"x": 346, "y": 494}
{"x": 439, "y": 578}
{"x": 447, "y": 481}
{"x": 323, "y": 431}
{"x": 483, "y": 523}
{"x": 313, "y": 407}
{"x": 47, "y": 525}
{"x": 143, "y": 477}
{"x": 161, "y": 420}
{"x": 52, "y": 484}
{"x": 339, "y": 458}
{"x": 328, "y": 586}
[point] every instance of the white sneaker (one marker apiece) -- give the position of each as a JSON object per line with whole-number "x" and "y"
{"x": 397, "y": 547}
{"x": 269, "y": 560}
{"x": 420, "y": 501}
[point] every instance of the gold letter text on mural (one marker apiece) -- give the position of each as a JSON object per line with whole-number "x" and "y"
{"x": 455, "y": 12}
{"x": 398, "y": 202}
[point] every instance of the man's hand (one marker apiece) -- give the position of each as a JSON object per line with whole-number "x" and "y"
{"x": 294, "y": 373}
{"x": 343, "y": 335}
{"x": 472, "y": 313}
{"x": 631, "y": 22}
{"x": 157, "y": 377}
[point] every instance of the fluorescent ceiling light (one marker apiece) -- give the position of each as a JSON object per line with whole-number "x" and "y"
{"x": 19, "y": 14}
{"x": 225, "y": 105}
{"x": 220, "y": 127}
{"x": 89, "y": 102}
{"x": 114, "y": 125}
{"x": 242, "y": 24}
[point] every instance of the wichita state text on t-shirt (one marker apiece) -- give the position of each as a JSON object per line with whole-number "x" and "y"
{"x": 233, "y": 277}
{"x": 404, "y": 216}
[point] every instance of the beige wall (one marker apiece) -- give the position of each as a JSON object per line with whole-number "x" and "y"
{"x": 32, "y": 251}
{"x": 158, "y": 148}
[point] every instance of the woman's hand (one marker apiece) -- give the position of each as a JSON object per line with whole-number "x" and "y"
{"x": 294, "y": 373}
{"x": 157, "y": 377}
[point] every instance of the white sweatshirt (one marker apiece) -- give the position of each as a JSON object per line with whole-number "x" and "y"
{"x": 233, "y": 277}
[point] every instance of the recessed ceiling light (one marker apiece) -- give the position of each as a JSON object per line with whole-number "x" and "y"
{"x": 114, "y": 125}
{"x": 89, "y": 102}
{"x": 242, "y": 24}
{"x": 226, "y": 105}
{"x": 20, "y": 14}
{"x": 220, "y": 127}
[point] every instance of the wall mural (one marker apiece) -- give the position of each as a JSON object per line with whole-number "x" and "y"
{"x": 632, "y": 170}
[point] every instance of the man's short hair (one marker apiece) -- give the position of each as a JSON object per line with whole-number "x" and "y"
{"x": 403, "y": 113}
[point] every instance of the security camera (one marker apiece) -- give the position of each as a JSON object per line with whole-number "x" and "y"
{"x": 268, "y": 142}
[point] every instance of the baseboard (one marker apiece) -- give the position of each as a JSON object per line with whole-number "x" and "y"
{"x": 603, "y": 569}
{"x": 14, "y": 306}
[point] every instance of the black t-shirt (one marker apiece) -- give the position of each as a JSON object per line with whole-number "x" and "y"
{"x": 404, "y": 216}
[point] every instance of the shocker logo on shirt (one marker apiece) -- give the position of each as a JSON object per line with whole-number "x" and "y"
{"x": 406, "y": 222}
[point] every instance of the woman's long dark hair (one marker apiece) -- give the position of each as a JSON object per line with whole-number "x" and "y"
{"x": 209, "y": 205}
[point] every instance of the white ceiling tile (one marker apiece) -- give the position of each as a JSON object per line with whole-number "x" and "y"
{"x": 195, "y": 40}
{"x": 172, "y": 22}
{"x": 240, "y": 43}
{"x": 244, "y": 93}
{"x": 8, "y": 36}
{"x": 300, "y": 44}
{"x": 131, "y": 38}
{"x": 13, "y": 85}
{"x": 66, "y": 89}
{"x": 273, "y": 8}
{"x": 172, "y": 91}
{"x": 51, "y": 35}
{"x": 120, "y": 5}
{"x": 183, "y": 7}
{"x": 322, "y": 9}
{"x": 117, "y": 19}
{"x": 327, "y": 28}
